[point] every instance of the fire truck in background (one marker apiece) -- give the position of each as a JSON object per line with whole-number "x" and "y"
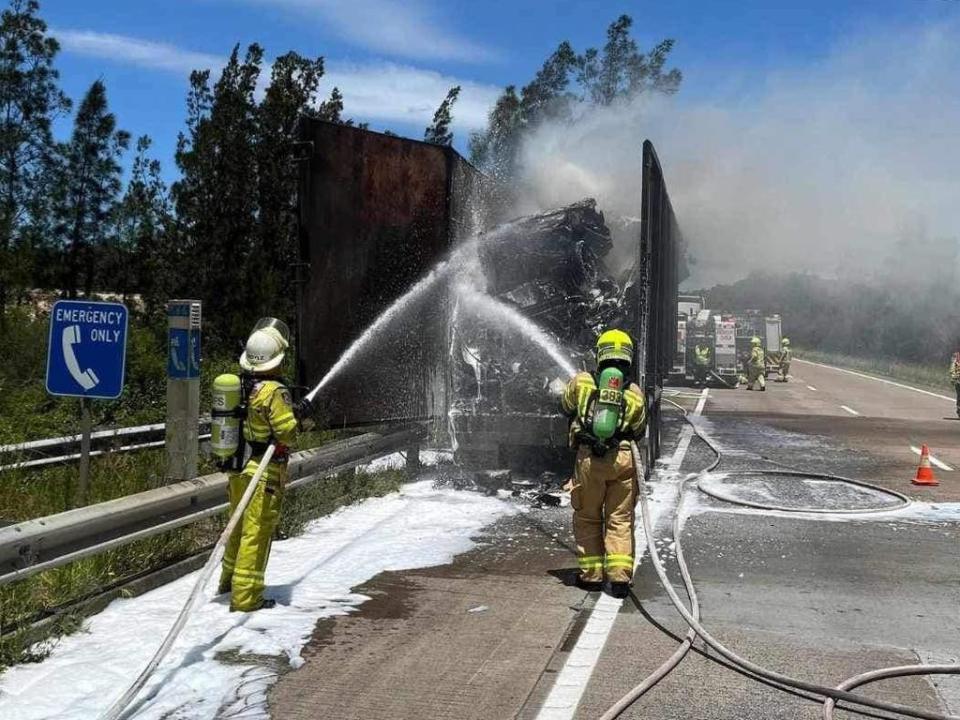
{"x": 688, "y": 307}
{"x": 726, "y": 335}
{"x": 753, "y": 323}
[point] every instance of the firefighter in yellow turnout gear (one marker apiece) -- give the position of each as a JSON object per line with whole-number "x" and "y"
{"x": 785, "y": 357}
{"x": 701, "y": 364}
{"x": 955, "y": 377}
{"x": 269, "y": 417}
{"x": 756, "y": 366}
{"x": 606, "y": 412}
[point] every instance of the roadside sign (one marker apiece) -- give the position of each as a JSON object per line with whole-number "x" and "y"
{"x": 183, "y": 358}
{"x": 183, "y": 388}
{"x": 87, "y": 349}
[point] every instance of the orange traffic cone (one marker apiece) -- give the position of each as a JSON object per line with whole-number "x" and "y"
{"x": 925, "y": 472}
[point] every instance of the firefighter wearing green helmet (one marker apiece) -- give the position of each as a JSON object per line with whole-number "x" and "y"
{"x": 783, "y": 368}
{"x": 701, "y": 364}
{"x": 250, "y": 412}
{"x": 606, "y": 412}
{"x": 756, "y": 365}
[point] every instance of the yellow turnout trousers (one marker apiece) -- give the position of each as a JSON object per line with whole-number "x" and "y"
{"x": 603, "y": 497}
{"x": 248, "y": 549}
{"x": 784, "y": 370}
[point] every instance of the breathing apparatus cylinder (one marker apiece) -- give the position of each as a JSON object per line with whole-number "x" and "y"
{"x": 606, "y": 413}
{"x": 225, "y": 420}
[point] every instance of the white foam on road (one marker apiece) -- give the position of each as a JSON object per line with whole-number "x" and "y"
{"x": 914, "y": 513}
{"x": 220, "y": 666}
{"x": 849, "y": 410}
{"x": 879, "y": 379}
{"x": 571, "y": 683}
{"x": 939, "y": 463}
{"x": 398, "y": 460}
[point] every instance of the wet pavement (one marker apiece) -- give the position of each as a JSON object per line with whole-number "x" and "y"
{"x": 819, "y": 597}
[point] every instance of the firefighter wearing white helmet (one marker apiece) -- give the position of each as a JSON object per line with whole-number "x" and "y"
{"x": 756, "y": 366}
{"x": 783, "y": 368}
{"x": 266, "y": 414}
{"x": 606, "y": 412}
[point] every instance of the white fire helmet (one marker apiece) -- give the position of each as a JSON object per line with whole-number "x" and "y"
{"x": 266, "y": 346}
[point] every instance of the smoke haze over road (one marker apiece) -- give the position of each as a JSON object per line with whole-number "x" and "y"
{"x": 847, "y": 168}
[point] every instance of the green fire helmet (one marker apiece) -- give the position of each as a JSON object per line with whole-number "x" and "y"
{"x": 614, "y": 345}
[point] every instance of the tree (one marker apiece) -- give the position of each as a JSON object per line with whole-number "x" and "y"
{"x": 236, "y": 199}
{"x": 439, "y": 132}
{"x": 332, "y": 109}
{"x": 291, "y": 94}
{"x": 620, "y": 72}
{"x": 88, "y": 187}
{"x": 216, "y": 196}
{"x": 546, "y": 96}
{"x": 494, "y": 150}
{"x": 143, "y": 259}
{"x": 623, "y": 71}
{"x": 30, "y": 100}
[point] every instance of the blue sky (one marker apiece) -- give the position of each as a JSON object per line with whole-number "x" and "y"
{"x": 395, "y": 59}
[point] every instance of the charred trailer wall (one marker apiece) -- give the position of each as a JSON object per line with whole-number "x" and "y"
{"x": 377, "y": 212}
{"x": 660, "y": 259}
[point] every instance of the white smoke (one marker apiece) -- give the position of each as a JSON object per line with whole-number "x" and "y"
{"x": 832, "y": 169}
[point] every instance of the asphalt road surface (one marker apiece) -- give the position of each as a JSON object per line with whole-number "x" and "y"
{"x": 502, "y": 633}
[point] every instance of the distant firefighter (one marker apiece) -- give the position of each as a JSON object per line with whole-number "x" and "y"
{"x": 607, "y": 411}
{"x": 701, "y": 364}
{"x": 785, "y": 358}
{"x": 955, "y": 377}
{"x": 756, "y": 366}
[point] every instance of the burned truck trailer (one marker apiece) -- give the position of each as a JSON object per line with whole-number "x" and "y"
{"x": 380, "y": 213}
{"x": 661, "y": 267}
{"x": 376, "y": 214}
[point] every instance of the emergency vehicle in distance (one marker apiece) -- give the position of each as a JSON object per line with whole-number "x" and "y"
{"x": 723, "y": 338}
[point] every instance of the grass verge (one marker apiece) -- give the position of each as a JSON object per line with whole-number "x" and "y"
{"x": 43, "y": 594}
{"x": 930, "y": 377}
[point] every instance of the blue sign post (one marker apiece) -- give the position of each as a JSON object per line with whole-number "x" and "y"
{"x": 86, "y": 358}
{"x": 183, "y": 388}
{"x": 87, "y": 351}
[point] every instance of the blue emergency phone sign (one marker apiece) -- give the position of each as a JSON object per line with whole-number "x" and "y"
{"x": 183, "y": 357}
{"x": 87, "y": 349}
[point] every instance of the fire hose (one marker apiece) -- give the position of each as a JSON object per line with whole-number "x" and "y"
{"x": 118, "y": 709}
{"x": 829, "y": 695}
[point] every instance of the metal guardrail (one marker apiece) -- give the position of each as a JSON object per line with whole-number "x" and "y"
{"x": 41, "y": 544}
{"x": 105, "y": 440}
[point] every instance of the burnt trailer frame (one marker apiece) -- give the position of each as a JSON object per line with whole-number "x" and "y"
{"x": 659, "y": 256}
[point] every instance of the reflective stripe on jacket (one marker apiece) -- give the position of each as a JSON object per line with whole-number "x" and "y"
{"x": 579, "y": 398}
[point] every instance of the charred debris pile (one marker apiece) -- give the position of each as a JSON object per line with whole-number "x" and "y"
{"x": 552, "y": 268}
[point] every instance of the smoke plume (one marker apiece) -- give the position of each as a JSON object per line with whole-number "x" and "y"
{"x": 848, "y": 168}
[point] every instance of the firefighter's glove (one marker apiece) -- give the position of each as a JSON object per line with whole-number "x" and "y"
{"x": 303, "y": 409}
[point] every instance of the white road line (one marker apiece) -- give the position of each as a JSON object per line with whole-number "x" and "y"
{"x": 939, "y": 463}
{"x": 882, "y": 380}
{"x": 811, "y": 387}
{"x": 850, "y": 410}
{"x": 571, "y": 682}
